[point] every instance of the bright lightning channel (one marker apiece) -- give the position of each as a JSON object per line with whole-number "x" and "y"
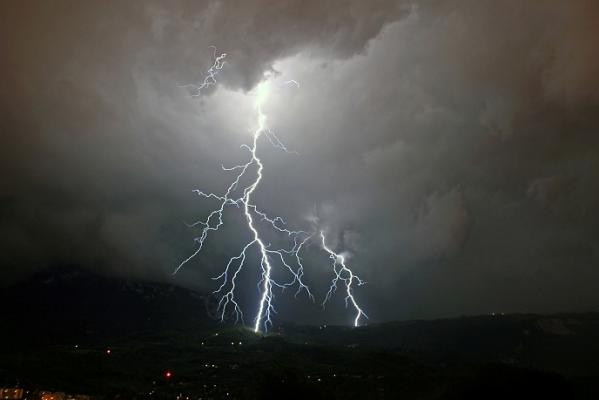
{"x": 343, "y": 273}
{"x": 195, "y": 89}
{"x": 287, "y": 258}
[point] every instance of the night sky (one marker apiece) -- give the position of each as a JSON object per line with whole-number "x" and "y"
{"x": 450, "y": 148}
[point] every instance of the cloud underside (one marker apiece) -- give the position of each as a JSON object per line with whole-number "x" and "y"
{"x": 451, "y": 147}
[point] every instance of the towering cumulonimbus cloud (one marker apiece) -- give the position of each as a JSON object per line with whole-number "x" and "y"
{"x": 454, "y": 142}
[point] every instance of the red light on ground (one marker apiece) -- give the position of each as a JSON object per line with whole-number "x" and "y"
{"x": 168, "y": 374}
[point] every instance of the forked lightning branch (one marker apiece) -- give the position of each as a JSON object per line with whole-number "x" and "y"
{"x": 245, "y": 182}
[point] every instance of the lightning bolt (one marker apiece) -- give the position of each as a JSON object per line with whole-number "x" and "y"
{"x": 195, "y": 89}
{"x": 240, "y": 196}
{"x": 344, "y": 274}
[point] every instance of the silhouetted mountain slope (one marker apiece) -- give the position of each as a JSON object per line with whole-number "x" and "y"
{"x": 67, "y": 303}
{"x": 58, "y": 326}
{"x": 70, "y": 304}
{"x": 565, "y": 343}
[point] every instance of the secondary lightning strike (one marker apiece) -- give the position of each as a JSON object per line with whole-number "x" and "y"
{"x": 269, "y": 258}
{"x": 210, "y": 79}
{"x": 343, "y": 273}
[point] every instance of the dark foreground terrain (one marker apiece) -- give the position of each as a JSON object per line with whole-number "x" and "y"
{"x": 73, "y": 332}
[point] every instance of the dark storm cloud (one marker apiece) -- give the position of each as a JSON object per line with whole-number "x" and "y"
{"x": 450, "y": 147}
{"x": 82, "y": 151}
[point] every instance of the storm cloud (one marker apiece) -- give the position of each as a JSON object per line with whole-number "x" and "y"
{"x": 450, "y": 147}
